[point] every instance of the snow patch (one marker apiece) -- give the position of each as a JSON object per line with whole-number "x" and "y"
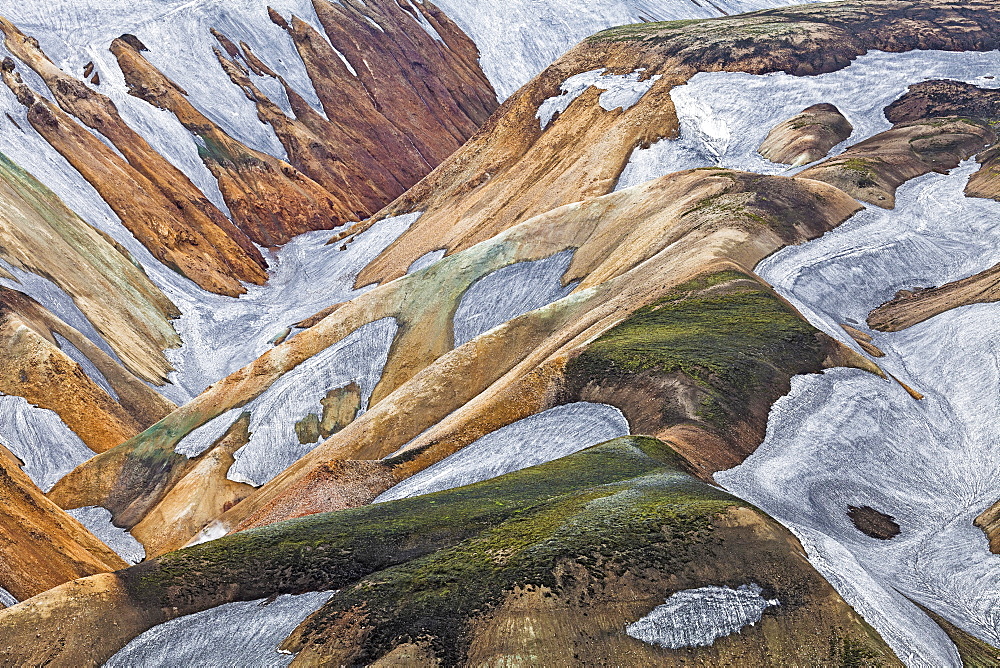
{"x": 620, "y": 91}
{"x": 274, "y": 444}
{"x": 509, "y": 292}
{"x": 698, "y": 617}
{"x": 40, "y": 439}
{"x": 98, "y": 522}
{"x": 246, "y": 633}
{"x": 537, "y": 439}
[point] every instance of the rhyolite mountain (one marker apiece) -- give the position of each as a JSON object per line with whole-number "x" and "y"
{"x": 389, "y": 332}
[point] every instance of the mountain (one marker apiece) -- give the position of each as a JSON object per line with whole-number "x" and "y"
{"x": 386, "y": 332}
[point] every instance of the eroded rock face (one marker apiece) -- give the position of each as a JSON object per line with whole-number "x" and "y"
{"x": 807, "y": 136}
{"x": 41, "y": 546}
{"x": 873, "y": 169}
{"x": 154, "y": 199}
{"x": 270, "y": 200}
{"x": 514, "y": 169}
{"x": 397, "y": 100}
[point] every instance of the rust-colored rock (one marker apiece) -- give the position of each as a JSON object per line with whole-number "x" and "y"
{"x": 910, "y": 307}
{"x": 989, "y": 522}
{"x": 154, "y": 199}
{"x": 32, "y": 366}
{"x": 40, "y": 545}
{"x": 269, "y": 200}
{"x": 806, "y": 137}
{"x": 401, "y": 103}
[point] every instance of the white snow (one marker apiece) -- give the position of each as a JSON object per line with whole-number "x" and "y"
{"x": 7, "y": 599}
{"x": 98, "y": 522}
{"x": 202, "y": 438}
{"x": 40, "y": 439}
{"x": 274, "y": 445}
{"x": 537, "y": 439}
{"x": 426, "y": 260}
{"x": 223, "y": 334}
{"x": 621, "y": 91}
{"x": 228, "y": 636}
{"x": 849, "y": 438}
{"x": 725, "y": 116}
{"x": 698, "y": 617}
{"x": 509, "y": 292}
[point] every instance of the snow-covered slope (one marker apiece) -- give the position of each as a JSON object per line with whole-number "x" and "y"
{"x": 518, "y": 39}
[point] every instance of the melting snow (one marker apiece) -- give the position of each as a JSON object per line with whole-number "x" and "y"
{"x": 274, "y": 444}
{"x": 40, "y": 439}
{"x": 537, "y": 439}
{"x": 98, "y": 522}
{"x": 620, "y": 91}
{"x": 235, "y": 634}
{"x": 509, "y": 292}
{"x": 698, "y": 617}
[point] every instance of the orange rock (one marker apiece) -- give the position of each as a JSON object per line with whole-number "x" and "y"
{"x": 40, "y": 545}
{"x": 270, "y": 200}
{"x": 154, "y": 199}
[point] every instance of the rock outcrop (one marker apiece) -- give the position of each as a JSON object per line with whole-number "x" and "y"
{"x": 806, "y": 137}
{"x": 42, "y": 547}
{"x": 40, "y": 234}
{"x": 970, "y": 105}
{"x": 400, "y": 86}
{"x": 515, "y": 169}
{"x": 955, "y": 98}
{"x": 872, "y": 170}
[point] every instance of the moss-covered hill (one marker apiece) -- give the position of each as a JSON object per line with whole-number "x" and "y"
{"x": 581, "y": 547}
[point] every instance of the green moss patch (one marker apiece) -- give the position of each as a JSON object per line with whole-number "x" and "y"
{"x": 333, "y": 550}
{"x": 733, "y": 338}
{"x": 648, "y": 522}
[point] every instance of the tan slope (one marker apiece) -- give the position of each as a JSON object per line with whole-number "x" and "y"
{"x": 154, "y": 199}
{"x": 513, "y": 170}
{"x": 872, "y": 170}
{"x": 806, "y": 137}
{"x": 40, "y": 545}
{"x": 40, "y": 234}
{"x": 32, "y": 366}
